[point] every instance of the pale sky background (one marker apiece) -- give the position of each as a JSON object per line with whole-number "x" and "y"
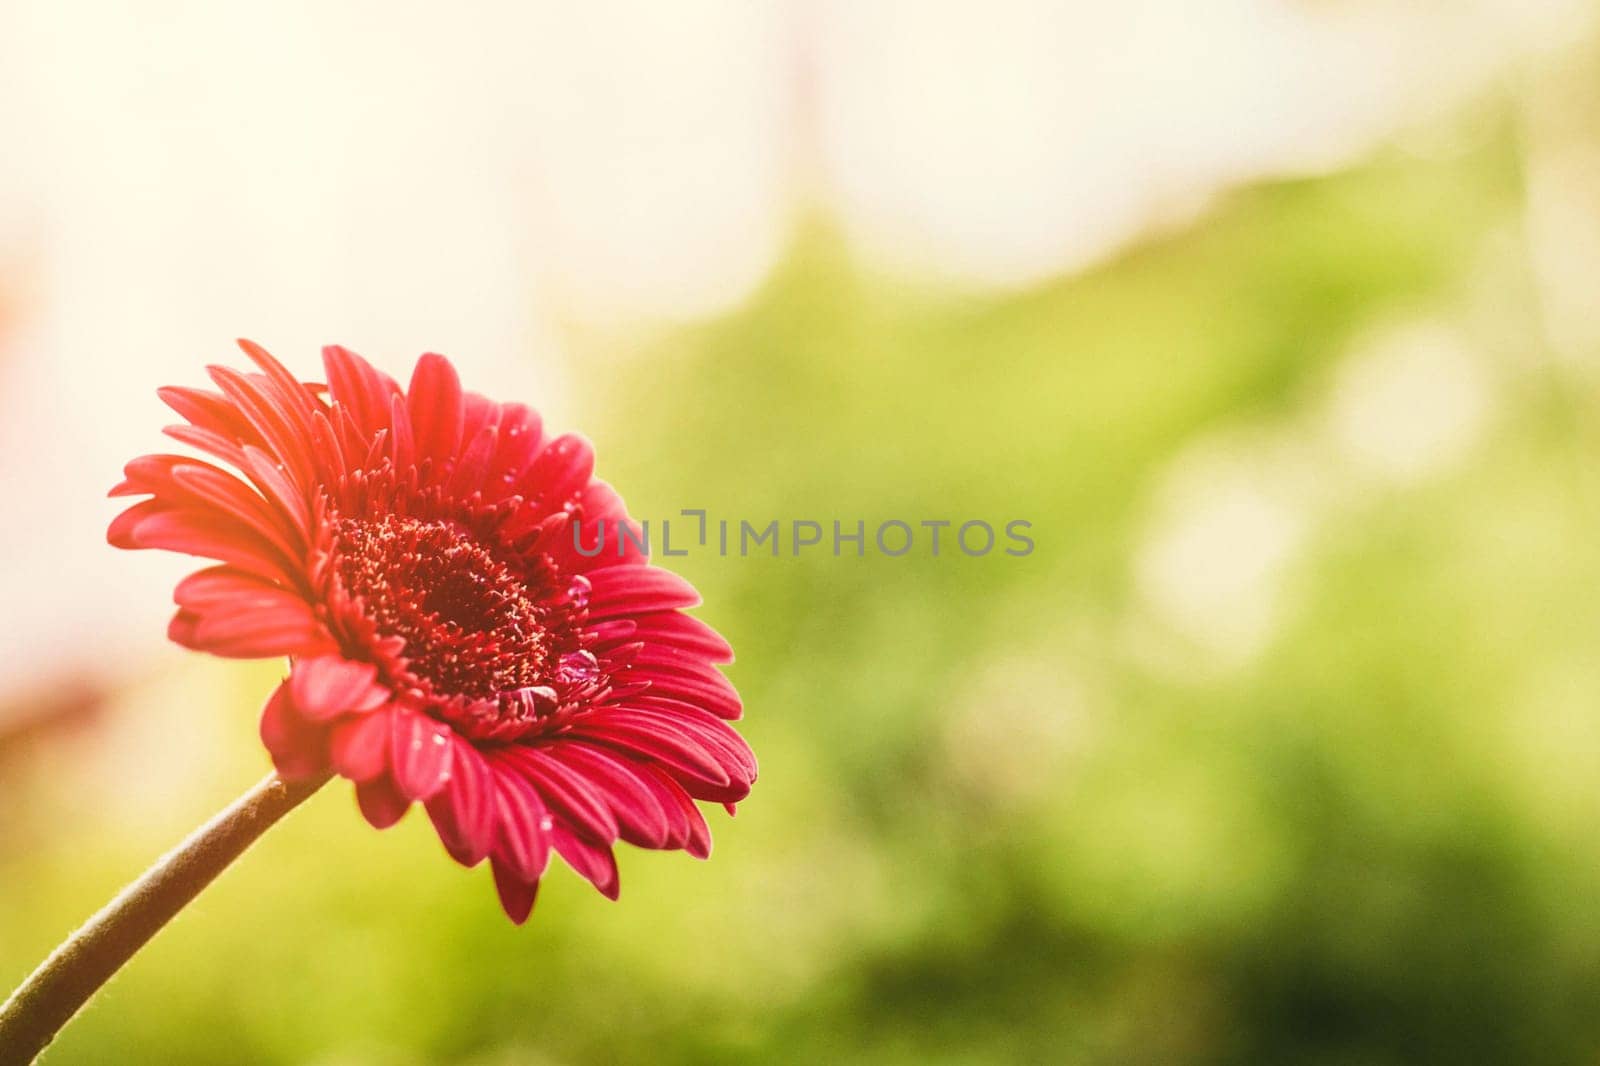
{"x": 401, "y": 177}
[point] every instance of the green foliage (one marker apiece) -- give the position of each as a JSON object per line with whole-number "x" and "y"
{"x": 992, "y": 825}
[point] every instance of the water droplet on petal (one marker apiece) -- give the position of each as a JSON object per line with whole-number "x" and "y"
{"x": 535, "y": 699}
{"x": 578, "y": 667}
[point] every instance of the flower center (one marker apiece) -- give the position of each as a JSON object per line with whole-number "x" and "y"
{"x": 473, "y": 624}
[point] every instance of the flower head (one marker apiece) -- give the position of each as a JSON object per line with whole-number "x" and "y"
{"x": 412, "y": 553}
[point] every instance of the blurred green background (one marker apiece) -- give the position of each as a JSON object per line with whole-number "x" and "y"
{"x": 1280, "y": 746}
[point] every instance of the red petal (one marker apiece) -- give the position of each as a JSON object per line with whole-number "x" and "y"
{"x": 672, "y": 799}
{"x": 358, "y": 746}
{"x": 698, "y": 842}
{"x": 477, "y": 411}
{"x": 561, "y": 469}
{"x": 298, "y": 749}
{"x": 402, "y": 443}
{"x": 225, "y": 585}
{"x": 154, "y": 524}
{"x": 668, "y": 747}
{"x": 211, "y": 412}
{"x": 595, "y": 862}
{"x": 180, "y": 630}
{"x": 516, "y": 895}
{"x": 680, "y": 631}
{"x": 520, "y": 430}
{"x": 631, "y": 590}
{"x": 353, "y": 442}
{"x": 331, "y": 685}
{"x": 708, "y": 689}
{"x": 254, "y": 631}
{"x": 568, "y": 793}
{"x": 666, "y": 657}
{"x": 598, "y": 505}
{"x": 360, "y": 388}
{"x": 464, "y": 811}
{"x": 277, "y": 488}
{"x": 327, "y": 448}
{"x": 706, "y": 729}
{"x": 522, "y": 825}
{"x": 289, "y": 388}
{"x": 119, "y": 534}
{"x": 419, "y": 754}
{"x": 641, "y": 818}
{"x": 604, "y": 635}
{"x": 600, "y": 500}
{"x": 474, "y": 464}
{"x": 435, "y": 404}
{"x": 259, "y": 402}
{"x": 381, "y": 802}
{"x": 158, "y": 475}
{"x": 225, "y": 448}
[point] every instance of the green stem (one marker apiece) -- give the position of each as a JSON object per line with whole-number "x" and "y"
{"x": 87, "y": 959}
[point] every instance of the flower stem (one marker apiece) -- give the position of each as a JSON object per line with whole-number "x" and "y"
{"x": 63, "y": 983}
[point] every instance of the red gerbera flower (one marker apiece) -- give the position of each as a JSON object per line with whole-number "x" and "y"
{"x": 412, "y": 553}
